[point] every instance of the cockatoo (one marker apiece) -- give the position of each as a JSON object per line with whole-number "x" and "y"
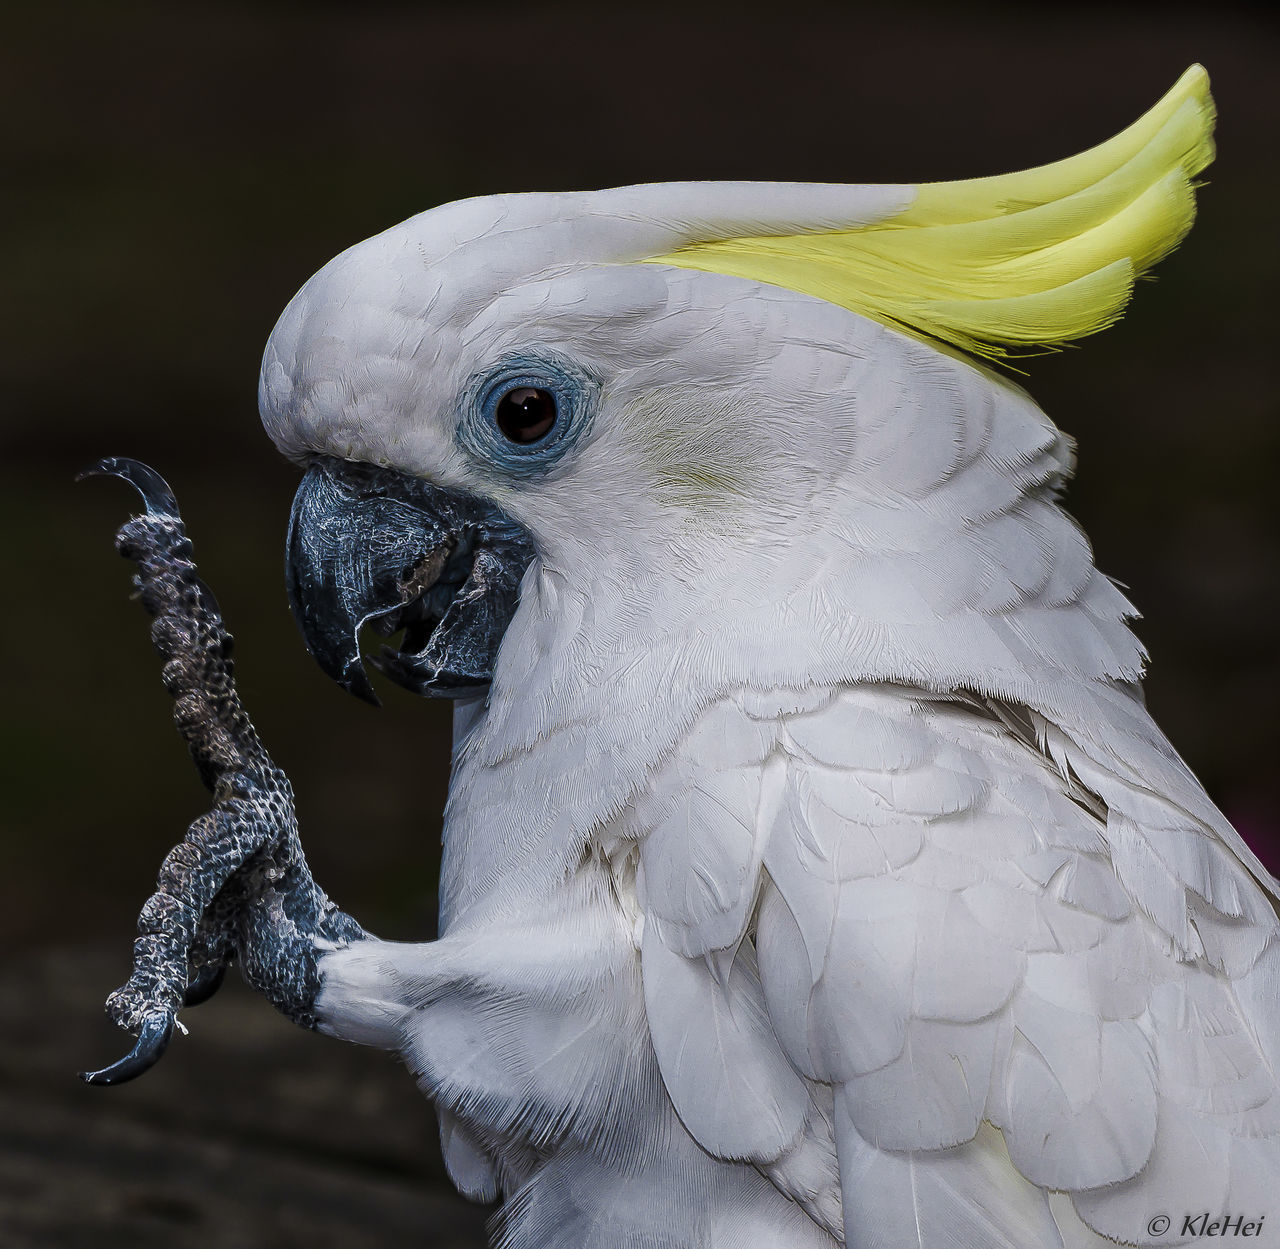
{"x": 813, "y": 872}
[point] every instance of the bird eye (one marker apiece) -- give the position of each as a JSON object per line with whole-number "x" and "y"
{"x": 525, "y": 414}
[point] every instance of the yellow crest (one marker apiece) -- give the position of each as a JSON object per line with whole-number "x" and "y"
{"x": 1014, "y": 262}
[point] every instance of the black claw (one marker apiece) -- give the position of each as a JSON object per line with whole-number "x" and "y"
{"x": 249, "y": 837}
{"x": 153, "y": 488}
{"x": 153, "y": 1038}
{"x": 207, "y": 981}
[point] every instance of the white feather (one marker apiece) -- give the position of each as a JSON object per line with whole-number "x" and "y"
{"x": 849, "y": 693}
{"x": 720, "y": 1061}
{"x": 962, "y": 1198}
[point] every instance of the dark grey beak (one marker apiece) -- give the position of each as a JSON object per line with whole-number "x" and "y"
{"x": 372, "y": 546}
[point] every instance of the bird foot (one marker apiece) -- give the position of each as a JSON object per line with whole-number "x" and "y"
{"x": 237, "y": 887}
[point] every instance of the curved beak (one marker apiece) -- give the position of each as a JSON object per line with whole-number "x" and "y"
{"x": 372, "y": 546}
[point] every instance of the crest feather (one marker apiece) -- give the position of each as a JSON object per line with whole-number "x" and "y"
{"x": 1008, "y": 263}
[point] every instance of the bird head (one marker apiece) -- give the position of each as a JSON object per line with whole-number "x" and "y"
{"x": 750, "y": 429}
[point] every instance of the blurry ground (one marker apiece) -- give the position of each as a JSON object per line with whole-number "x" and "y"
{"x": 248, "y": 1134}
{"x": 169, "y": 175}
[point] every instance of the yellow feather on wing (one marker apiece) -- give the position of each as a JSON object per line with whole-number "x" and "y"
{"x": 1013, "y": 262}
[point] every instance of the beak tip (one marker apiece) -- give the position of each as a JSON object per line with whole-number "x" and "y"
{"x": 366, "y": 695}
{"x": 356, "y": 681}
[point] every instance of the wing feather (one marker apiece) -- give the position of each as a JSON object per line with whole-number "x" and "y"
{"x": 969, "y": 1195}
{"x": 719, "y": 1056}
{"x": 1010, "y": 962}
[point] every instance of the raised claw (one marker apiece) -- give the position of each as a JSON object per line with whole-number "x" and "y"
{"x": 192, "y": 639}
{"x": 236, "y": 888}
{"x": 153, "y": 1040}
{"x": 204, "y": 984}
{"x": 155, "y": 491}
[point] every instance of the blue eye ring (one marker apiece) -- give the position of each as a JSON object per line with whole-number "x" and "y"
{"x": 555, "y": 385}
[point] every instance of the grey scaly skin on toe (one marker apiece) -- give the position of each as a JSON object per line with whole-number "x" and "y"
{"x": 237, "y": 887}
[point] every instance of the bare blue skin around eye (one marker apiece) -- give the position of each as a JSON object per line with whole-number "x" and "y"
{"x": 576, "y": 394}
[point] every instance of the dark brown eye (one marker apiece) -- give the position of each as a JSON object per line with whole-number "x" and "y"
{"x": 525, "y": 414}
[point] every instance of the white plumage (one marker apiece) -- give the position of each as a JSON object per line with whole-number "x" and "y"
{"x": 813, "y": 870}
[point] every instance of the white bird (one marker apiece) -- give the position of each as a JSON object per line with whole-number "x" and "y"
{"x": 813, "y": 871}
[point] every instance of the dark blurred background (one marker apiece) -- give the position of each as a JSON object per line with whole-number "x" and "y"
{"x": 170, "y": 174}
